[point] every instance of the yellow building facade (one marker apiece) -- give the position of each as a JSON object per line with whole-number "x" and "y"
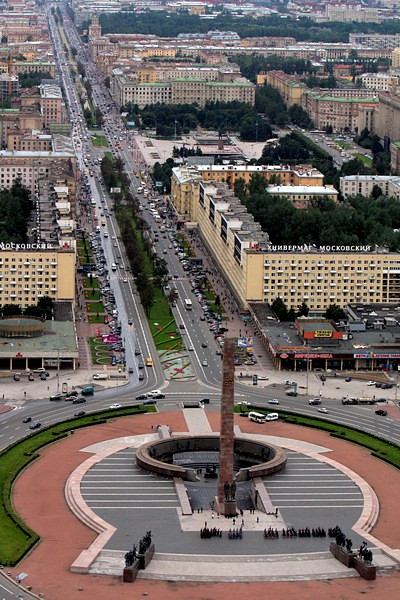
{"x": 256, "y": 270}
{"x": 30, "y": 271}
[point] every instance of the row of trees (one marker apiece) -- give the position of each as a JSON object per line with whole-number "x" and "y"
{"x": 285, "y": 314}
{"x": 359, "y": 220}
{"x": 304, "y": 30}
{"x": 28, "y": 80}
{"x": 171, "y": 119}
{"x": 43, "y": 309}
{"x": 15, "y": 209}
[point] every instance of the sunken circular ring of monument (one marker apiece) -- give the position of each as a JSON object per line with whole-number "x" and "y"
{"x": 251, "y": 458}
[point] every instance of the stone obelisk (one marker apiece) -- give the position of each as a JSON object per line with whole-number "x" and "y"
{"x": 225, "y": 501}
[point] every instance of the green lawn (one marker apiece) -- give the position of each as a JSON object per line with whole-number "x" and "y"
{"x": 88, "y": 282}
{"x": 365, "y": 159}
{"x": 92, "y": 294}
{"x": 343, "y": 145}
{"x": 162, "y": 324}
{"x": 99, "y": 141}
{"x": 95, "y": 307}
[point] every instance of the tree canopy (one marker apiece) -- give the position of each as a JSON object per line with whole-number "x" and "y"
{"x": 15, "y": 208}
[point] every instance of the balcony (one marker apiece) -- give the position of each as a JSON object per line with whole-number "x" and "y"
{"x": 319, "y": 277}
{"x": 53, "y": 289}
{"x": 27, "y": 263}
{"x": 305, "y": 296}
{"x": 292, "y": 277}
{"x": 13, "y": 269}
{"x": 266, "y": 290}
{"x": 27, "y": 289}
{"x": 53, "y": 276}
{"x": 333, "y": 271}
{"x": 27, "y": 276}
{"x": 306, "y": 271}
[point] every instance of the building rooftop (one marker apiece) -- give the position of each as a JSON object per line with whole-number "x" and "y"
{"x": 289, "y": 190}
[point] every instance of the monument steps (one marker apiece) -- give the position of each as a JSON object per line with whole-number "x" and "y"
{"x": 276, "y": 567}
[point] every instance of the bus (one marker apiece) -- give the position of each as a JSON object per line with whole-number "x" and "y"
{"x": 257, "y": 417}
{"x": 188, "y": 304}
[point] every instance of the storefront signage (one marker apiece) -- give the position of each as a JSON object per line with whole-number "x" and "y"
{"x": 14, "y": 246}
{"x": 307, "y": 356}
{"x": 373, "y": 355}
{"x": 310, "y": 248}
{"x": 323, "y": 333}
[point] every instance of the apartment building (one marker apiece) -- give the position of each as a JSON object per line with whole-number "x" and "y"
{"x": 387, "y": 117}
{"x": 29, "y": 141}
{"x": 395, "y": 157}
{"x": 364, "y": 185}
{"x": 301, "y": 196}
{"x": 338, "y": 108}
{"x": 396, "y": 58}
{"x": 22, "y": 119}
{"x": 375, "y": 40}
{"x": 9, "y": 85}
{"x": 51, "y": 104}
{"x": 256, "y": 270}
{"x": 30, "y": 271}
{"x": 44, "y": 66}
{"x": 181, "y": 91}
{"x": 300, "y": 175}
{"x": 31, "y": 166}
{"x": 289, "y": 86}
{"x": 379, "y": 82}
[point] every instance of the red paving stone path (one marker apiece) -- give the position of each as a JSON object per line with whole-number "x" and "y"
{"x": 39, "y": 499}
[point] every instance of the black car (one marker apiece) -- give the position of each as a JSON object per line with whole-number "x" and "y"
{"x": 291, "y": 393}
{"x": 79, "y": 413}
{"x": 31, "y": 377}
{"x": 79, "y": 400}
{"x": 387, "y": 386}
{"x": 71, "y": 394}
{"x": 35, "y": 425}
{"x": 159, "y": 396}
{"x": 141, "y": 397}
{"x": 27, "y": 420}
{"x": 17, "y": 378}
{"x": 204, "y": 345}
{"x": 381, "y": 412}
{"x": 150, "y": 401}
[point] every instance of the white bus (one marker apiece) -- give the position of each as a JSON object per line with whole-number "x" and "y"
{"x": 257, "y": 417}
{"x": 188, "y": 304}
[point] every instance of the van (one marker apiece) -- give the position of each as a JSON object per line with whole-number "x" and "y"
{"x": 98, "y": 376}
{"x": 257, "y": 417}
{"x": 152, "y": 206}
{"x": 272, "y": 417}
{"x": 113, "y": 267}
{"x": 139, "y": 190}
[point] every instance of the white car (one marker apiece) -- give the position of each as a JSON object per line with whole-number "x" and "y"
{"x": 323, "y": 410}
{"x": 371, "y": 383}
{"x": 125, "y": 280}
{"x": 205, "y": 363}
{"x": 115, "y": 405}
{"x": 273, "y": 401}
{"x": 262, "y": 377}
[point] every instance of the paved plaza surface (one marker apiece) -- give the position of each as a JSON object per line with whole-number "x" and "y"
{"x": 39, "y": 498}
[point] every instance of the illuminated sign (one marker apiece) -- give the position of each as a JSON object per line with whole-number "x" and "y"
{"x": 311, "y": 248}
{"x": 323, "y": 333}
{"x": 307, "y": 356}
{"x": 14, "y": 246}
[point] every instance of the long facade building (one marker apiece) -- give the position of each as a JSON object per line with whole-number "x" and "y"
{"x": 258, "y": 271}
{"x": 181, "y": 91}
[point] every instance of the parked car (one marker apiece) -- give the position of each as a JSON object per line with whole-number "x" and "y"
{"x": 56, "y": 397}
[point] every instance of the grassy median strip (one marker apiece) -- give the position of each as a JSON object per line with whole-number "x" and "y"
{"x": 380, "y": 448}
{"x": 16, "y": 538}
